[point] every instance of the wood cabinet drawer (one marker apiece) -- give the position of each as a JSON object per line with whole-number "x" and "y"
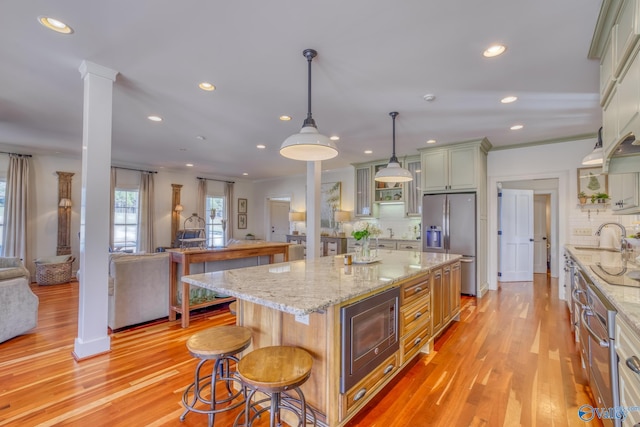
{"x": 414, "y": 341}
{"x": 409, "y": 246}
{"x": 359, "y": 393}
{"x": 414, "y": 289}
{"x": 413, "y": 314}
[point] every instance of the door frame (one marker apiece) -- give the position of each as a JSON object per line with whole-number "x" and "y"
{"x": 559, "y": 209}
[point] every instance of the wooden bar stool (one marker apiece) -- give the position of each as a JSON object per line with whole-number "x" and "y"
{"x": 274, "y": 371}
{"x": 233, "y": 308}
{"x": 219, "y": 345}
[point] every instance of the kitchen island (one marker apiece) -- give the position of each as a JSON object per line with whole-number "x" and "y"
{"x": 299, "y": 303}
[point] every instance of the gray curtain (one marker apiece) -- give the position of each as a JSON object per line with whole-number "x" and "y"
{"x": 112, "y": 205}
{"x": 228, "y": 210}
{"x": 16, "y": 210}
{"x": 202, "y": 198}
{"x": 146, "y": 213}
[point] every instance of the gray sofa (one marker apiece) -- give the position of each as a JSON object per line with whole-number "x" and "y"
{"x": 18, "y": 304}
{"x": 138, "y": 288}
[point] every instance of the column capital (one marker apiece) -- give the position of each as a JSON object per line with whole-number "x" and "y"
{"x": 88, "y": 67}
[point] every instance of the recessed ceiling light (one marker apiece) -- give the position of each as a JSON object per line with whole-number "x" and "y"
{"x": 207, "y": 86}
{"x": 200, "y": 137}
{"x": 334, "y": 138}
{"x": 429, "y": 97}
{"x": 509, "y": 99}
{"x": 368, "y": 152}
{"x": 431, "y": 141}
{"x": 155, "y": 118}
{"x": 261, "y": 146}
{"x": 189, "y": 165}
{"x": 495, "y": 50}
{"x": 55, "y": 25}
{"x": 245, "y": 174}
{"x": 516, "y": 127}
{"x": 285, "y": 118}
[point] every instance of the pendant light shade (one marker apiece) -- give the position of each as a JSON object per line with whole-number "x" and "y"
{"x": 309, "y": 144}
{"x": 394, "y": 172}
{"x": 596, "y": 157}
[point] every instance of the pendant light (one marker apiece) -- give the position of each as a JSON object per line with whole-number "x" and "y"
{"x": 596, "y": 157}
{"x": 309, "y": 144}
{"x": 393, "y": 172}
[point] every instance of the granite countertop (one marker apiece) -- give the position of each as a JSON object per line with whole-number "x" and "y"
{"x": 302, "y": 287}
{"x": 610, "y": 272}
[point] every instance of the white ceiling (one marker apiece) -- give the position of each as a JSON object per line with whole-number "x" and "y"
{"x": 374, "y": 57}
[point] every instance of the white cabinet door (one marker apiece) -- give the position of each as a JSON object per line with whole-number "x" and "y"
{"x": 625, "y": 192}
{"x": 435, "y": 170}
{"x": 462, "y": 168}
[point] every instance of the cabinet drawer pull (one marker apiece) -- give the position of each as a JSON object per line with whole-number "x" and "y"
{"x": 418, "y": 289}
{"x": 634, "y": 364}
{"x": 417, "y": 341}
{"x": 360, "y": 394}
{"x": 388, "y": 369}
{"x": 417, "y": 315}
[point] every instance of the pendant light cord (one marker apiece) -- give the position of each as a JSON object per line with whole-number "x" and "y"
{"x": 309, "y": 54}
{"x": 393, "y": 115}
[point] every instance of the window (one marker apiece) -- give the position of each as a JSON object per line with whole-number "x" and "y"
{"x": 215, "y": 231}
{"x": 125, "y": 221}
{"x": 3, "y": 187}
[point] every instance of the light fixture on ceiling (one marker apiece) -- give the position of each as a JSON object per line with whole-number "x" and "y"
{"x": 495, "y": 50}
{"x": 55, "y": 25}
{"x": 393, "y": 172}
{"x": 596, "y": 157}
{"x": 309, "y": 144}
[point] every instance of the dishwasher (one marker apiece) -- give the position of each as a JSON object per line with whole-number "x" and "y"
{"x": 598, "y": 327}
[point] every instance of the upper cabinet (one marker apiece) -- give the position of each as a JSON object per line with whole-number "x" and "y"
{"x": 370, "y": 194}
{"x": 455, "y": 167}
{"x": 615, "y": 43}
{"x": 624, "y": 189}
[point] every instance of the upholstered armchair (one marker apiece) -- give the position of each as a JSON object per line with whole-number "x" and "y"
{"x": 18, "y": 304}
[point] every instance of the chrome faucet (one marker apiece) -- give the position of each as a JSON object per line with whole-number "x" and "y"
{"x": 390, "y": 233}
{"x": 622, "y": 229}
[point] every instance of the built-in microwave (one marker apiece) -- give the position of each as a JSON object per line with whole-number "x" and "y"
{"x": 369, "y": 335}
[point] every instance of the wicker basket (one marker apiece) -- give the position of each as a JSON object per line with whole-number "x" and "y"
{"x": 53, "y": 273}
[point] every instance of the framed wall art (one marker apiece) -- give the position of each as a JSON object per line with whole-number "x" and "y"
{"x": 242, "y": 206}
{"x": 592, "y": 181}
{"x": 242, "y": 221}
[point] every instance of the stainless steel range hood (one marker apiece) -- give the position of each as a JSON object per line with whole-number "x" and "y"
{"x": 625, "y": 157}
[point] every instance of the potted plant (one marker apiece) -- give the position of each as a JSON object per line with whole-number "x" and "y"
{"x": 582, "y": 196}
{"x": 599, "y": 197}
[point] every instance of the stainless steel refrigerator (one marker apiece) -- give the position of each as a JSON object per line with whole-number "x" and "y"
{"x": 449, "y": 226}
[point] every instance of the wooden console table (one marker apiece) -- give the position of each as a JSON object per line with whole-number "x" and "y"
{"x": 186, "y": 257}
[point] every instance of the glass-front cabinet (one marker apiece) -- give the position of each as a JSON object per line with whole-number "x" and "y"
{"x": 369, "y": 194}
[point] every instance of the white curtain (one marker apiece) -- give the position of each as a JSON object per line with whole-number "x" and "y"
{"x": 16, "y": 210}
{"x": 202, "y": 197}
{"x": 228, "y": 210}
{"x": 112, "y": 205}
{"x": 146, "y": 213}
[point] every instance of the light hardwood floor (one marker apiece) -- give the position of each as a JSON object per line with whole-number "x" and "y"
{"x": 508, "y": 362}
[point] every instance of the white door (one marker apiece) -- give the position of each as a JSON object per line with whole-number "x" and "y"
{"x": 516, "y": 243}
{"x": 279, "y": 217}
{"x": 540, "y": 238}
